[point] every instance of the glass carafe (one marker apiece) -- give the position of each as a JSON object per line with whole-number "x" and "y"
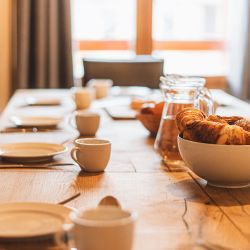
{"x": 179, "y": 92}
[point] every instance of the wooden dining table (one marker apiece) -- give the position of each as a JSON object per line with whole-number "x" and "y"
{"x": 176, "y": 209}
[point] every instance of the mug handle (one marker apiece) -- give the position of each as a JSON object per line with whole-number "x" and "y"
{"x": 205, "y": 102}
{"x": 73, "y": 156}
{"x": 65, "y": 235}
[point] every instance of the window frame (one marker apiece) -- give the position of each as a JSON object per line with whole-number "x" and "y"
{"x": 144, "y": 43}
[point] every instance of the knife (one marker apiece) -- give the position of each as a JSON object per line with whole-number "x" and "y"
{"x": 20, "y": 165}
{"x": 27, "y": 130}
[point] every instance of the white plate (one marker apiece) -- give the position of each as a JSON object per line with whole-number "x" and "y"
{"x": 35, "y": 121}
{"x": 30, "y": 151}
{"x": 31, "y": 219}
{"x": 31, "y": 101}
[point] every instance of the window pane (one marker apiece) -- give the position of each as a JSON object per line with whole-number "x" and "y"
{"x": 98, "y": 21}
{"x": 203, "y": 63}
{"x": 189, "y": 19}
{"x": 103, "y": 19}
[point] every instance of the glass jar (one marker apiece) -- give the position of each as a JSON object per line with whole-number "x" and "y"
{"x": 179, "y": 92}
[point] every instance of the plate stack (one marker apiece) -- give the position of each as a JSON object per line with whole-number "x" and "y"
{"x": 34, "y": 226}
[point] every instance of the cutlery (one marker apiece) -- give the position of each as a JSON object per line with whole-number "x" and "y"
{"x": 69, "y": 199}
{"x": 27, "y": 130}
{"x": 19, "y": 165}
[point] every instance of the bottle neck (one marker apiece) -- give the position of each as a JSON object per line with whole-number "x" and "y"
{"x": 181, "y": 95}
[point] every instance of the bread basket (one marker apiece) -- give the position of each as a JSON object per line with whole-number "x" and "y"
{"x": 150, "y": 121}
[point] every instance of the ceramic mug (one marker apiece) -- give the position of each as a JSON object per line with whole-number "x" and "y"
{"x": 91, "y": 154}
{"x": 107, "y": 227}
{"x": 87, "y": 122}
{"x": 83, "y": 97}
{"x": 101, "y": 86}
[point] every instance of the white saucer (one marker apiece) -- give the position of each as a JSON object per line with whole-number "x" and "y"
{"x": 30, "y": 151}
{"x": 32, "y": 101}
{"x": 35, "y": 121}
{"x": 31, "y": 219}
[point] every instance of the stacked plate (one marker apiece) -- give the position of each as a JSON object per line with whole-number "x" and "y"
{"x": 35, "y": 121}
{"x": 31, "y": 101}
{"x": 33, "y": 223}
{"x": 28, "y": 152}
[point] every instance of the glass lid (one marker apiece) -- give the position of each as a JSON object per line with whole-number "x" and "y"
{"x": 174, "y": 80}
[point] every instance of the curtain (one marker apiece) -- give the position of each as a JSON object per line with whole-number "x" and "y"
{"x": 239, "y": 48}
{"x": 42, "y": 49}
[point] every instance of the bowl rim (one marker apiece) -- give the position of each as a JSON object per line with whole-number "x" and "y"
{"x": 211, "y": 144}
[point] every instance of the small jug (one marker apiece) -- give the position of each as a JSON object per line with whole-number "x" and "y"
{"x": 179, "y": 92}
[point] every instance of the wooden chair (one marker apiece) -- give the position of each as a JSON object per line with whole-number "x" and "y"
{"x": 217, "y": 82}
{"x": 140, "y": 71}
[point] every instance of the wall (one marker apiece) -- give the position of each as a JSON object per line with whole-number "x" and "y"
{"x": 5, "y": 51}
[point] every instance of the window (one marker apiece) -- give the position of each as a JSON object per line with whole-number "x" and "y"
{"x": 108, "y": 24}
{"x": 189, "y": 34}
{"x": 184, "y": 20}
{"x": 102, "y": 28}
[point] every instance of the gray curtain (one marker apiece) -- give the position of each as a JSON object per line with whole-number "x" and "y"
{"x": 42, "y": 51}
{"x": 239, "y": 48}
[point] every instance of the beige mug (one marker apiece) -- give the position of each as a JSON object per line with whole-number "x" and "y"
{"x": 91, "y": 154}
{"x": 101, "y": 86}
{"x": 86, "y": 122}
{"x": 107, "y": 227}
{"x": 83, "y": 97}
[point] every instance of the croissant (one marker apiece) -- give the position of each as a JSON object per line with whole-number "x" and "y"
{"x": 231, "y": 120}
{"x": 245, "y": 124}
{"x": 194, "y": 125}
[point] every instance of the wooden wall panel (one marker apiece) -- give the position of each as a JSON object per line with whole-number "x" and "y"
{"x": 144, "y": 27}
{"x": 5, "y": 51}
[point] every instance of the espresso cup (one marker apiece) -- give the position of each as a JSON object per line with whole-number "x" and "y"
{"x": 101, "y": 86}
{"x": 83, "y": 97}
{"x": 103, "y": 228}
{"x": 91, "y": 154}
{"x": 87, "y": 122}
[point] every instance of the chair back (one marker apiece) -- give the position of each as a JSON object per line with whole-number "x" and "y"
{"x": 140, "y": 71}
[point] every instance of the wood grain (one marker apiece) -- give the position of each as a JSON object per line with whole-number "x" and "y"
{"x": 5, "y": 50}
{"x": 189, "y": 45}
{"x": 144, "y": 27}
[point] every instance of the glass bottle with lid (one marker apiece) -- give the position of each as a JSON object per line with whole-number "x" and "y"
{"x": 179, "y": 92}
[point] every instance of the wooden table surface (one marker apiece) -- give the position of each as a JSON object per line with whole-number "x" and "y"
{"x": 177, "y": 210}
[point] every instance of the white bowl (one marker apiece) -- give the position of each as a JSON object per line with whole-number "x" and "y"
{"x": 221, "y": 165}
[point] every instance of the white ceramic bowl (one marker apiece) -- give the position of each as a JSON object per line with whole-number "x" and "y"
{"x": 221, "y": 165}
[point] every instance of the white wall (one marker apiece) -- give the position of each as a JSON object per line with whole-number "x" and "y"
{"x": 5, "y": 51}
